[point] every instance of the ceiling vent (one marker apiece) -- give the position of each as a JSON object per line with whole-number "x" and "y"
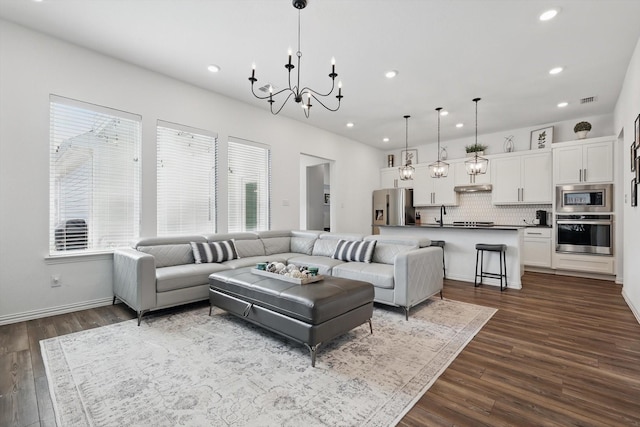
{"x": 589, "y": 100}
{"x": 265, "y": 88}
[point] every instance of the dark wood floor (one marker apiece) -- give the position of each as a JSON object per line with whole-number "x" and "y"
{"x": 562, "y": 351}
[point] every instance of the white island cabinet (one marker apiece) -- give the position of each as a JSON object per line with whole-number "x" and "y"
{"x": 521, "y": 179}
{"x": 460, "y": 249}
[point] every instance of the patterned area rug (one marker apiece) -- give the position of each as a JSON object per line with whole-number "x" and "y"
{"x": 189, "y": 369}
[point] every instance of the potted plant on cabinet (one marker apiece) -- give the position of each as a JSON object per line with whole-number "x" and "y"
{"x": 582, "y": 129}
{"x": 475, "y": 148}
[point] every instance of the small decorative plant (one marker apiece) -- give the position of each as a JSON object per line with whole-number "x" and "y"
{"x": 582, "y": 126}
{"x": 475, "y": 147}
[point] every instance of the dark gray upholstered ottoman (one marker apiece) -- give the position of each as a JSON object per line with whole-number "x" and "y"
{"x": 310, "y": 314}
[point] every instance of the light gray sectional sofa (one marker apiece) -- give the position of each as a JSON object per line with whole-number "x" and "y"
{"x": 160, "y": 272}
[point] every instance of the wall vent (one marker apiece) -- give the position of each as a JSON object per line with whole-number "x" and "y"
{"x": 265, "y": 88}
{"x": 588, "y": 100}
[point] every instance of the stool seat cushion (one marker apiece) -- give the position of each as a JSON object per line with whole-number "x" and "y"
{"x": 491, "y": 247}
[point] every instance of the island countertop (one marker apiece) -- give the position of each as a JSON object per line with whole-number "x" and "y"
{"x": 462, "y": 227}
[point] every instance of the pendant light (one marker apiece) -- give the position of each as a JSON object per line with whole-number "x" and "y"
{"x": 477, "y": 165}
{"x": 439, "y": 169}
{"x": 406, "y": 171}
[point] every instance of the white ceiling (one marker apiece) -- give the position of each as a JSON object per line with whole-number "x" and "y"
{"x": 447, "y": 52}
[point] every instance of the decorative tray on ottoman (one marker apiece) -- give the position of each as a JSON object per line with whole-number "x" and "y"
{"x": 305, "y": 281}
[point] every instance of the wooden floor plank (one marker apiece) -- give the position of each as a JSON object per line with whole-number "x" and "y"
{"x": 561, "y": 351}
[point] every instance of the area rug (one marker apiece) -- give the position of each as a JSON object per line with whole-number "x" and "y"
{"x": 190, "y": 369}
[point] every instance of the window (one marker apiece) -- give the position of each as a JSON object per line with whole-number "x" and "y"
{"x": 186, "y": 180}
{"x": 249, "y": 186}
{"x": 94, "y": 177}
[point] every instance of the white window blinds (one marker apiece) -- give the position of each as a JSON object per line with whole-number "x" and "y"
{"x": 249, "y": 186}
{"x": 186, "y": 180}
{"x": 94, "y": 177}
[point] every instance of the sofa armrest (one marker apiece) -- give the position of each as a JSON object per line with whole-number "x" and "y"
{"x": 417, "y": 275}
{"x": 134, "y": 278}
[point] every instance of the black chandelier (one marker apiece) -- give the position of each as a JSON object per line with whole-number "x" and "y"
{"x": 300, "y": 95}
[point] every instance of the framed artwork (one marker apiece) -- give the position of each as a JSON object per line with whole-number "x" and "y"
{"x": 409, "y": 157}
{"x": 633, "y": 154}
{"x": 327, "y": 198}
{"x": 541, "y": 138}
{"x": 634, "y": 192}
{"x": 637, "y": 162}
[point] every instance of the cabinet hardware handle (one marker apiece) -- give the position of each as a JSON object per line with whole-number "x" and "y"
{"x": 534, "y": 233}
{"x": 584, "y": 175}
{"x": 580, "y": 175}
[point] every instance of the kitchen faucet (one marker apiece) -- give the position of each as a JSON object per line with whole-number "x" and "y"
{"x": 442, "y": 210}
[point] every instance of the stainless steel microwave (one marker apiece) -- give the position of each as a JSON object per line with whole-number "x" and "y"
{"x": 584, "y": 198}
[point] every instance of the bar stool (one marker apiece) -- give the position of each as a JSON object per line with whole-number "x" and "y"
{"x": 440, "y": 243}
{"x": 502, "y": 254}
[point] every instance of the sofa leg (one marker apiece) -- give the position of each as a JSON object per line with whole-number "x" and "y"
{"x": 210, "y": 309}
{"x": 370, "y": 326}
{"x": 406, "y": 313}
{"x": 114, "y": 300}
{"x": 140, "y": 314}
{"x": 313, "y": 349}
{"x": 441, "y": 294}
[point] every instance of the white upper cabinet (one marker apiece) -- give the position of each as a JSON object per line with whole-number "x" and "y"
{"x": 585, "y": 162}
{"x": 390, "y": 178}
{"x": 428, "y": 191}
{"x": 522, "y": 178}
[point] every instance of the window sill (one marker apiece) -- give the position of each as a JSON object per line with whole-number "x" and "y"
{"x": 78, "y": 257}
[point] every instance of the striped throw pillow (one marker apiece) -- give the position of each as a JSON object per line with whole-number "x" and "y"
{"x": 348, "y": 250}
{"x": 214, "y": 252}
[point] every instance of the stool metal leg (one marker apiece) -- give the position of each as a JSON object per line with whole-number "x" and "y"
{"x": 501, "y": 274}
{"x": 475, "y": 278}
{"x": 504, "y": 254}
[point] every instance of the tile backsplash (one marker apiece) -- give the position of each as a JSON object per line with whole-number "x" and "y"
{"x": 478, "y": 207}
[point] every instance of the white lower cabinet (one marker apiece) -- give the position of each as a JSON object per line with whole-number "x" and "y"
{"x": 537, "y": 247}
{"x": 585, "y": 263}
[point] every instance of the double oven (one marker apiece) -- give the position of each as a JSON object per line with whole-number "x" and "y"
{"x": 584, "y": 219}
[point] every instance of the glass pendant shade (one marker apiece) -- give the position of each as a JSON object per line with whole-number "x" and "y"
{"x": 438, "y": 169}
{"x": 406, "y": 171}
{"x": 477, "y": 165}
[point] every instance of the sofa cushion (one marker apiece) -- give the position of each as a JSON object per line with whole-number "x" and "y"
{"x": 385, "y": 253}
{"x": 249, "y": 248}
{"x": 214, "y": 251}
{"x": 380, "y": 275}
{"x": 168, "y": 255}
{"x": 324, "y": 247}
{"x": 302, "y": 245}
{"x": 349, "y": 250}
{"x": 276, "y": 245}
{"x": 185, "y": 276}
{"x": 324, "y": 264}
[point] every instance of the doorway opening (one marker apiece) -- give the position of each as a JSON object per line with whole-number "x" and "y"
{"x": 315, "y": 193}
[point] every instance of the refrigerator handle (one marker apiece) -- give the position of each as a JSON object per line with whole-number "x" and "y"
{"x": 386, "y": 211}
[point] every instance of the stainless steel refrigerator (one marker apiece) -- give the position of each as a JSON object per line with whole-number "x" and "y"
{"x": 393, "y": 206}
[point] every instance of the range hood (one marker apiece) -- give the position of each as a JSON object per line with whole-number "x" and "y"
{"x": 472, "y": 188}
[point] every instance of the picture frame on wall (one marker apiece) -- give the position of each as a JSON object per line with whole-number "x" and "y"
{"x": 409, "y": 157}
{"x": 327, "y": 198}
{"x": 637, "y": 131}
{"x": 541, "y": 138}
{"x": 634, "y": 192}
{"x": 633, "y": 155}
{"x": 637, "y": 162}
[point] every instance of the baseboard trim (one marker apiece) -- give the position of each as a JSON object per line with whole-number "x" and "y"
{"x": 634, "y": 310}
{"x": 53, "y": 311}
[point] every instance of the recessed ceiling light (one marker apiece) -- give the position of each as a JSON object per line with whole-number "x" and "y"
{"x": 549, "y": 14}
{"x": 444, "y": 113}
{"x": 385, "y": 139}
{"x": 563, "y": 104}
{"x": 459, "y": 125}
{"x": 391, "y": 74}
{"x": 213, "y": 68}
{"x": 350, "y": 125}
{"x": 556, "y": 70}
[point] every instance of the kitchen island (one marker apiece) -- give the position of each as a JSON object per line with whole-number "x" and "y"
{"x": 460, "y": 248}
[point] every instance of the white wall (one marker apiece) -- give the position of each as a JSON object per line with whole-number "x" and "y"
{"x": 32, "y": 66}
{"x": 625, "y": 113}
{"x": 602, "y": 125}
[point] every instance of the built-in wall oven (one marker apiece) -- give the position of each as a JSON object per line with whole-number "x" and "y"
{"x": 584, "y": 233}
